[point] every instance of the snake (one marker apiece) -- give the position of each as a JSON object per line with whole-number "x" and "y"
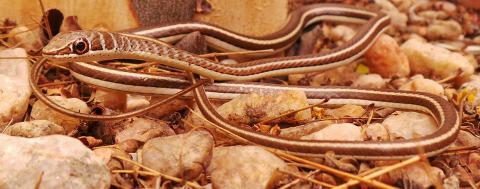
{"x": 79, "y": 48}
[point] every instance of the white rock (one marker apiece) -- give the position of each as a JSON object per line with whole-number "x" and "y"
{"x": 386, "y": 58}
{"x": 142, "y": 129}
{"x": 417, "y": 174}
{"x": 341, "y": 33}
{"x": 254, "y": 107}
{"x": 431, "y": 60}
{"x": 43, "y": 112}
{"x": 376, "y": 132}
{"x": 60, "y": 162}
{"x": 184, "y": 155}
{"x": 238, "y": 167}
{"x": 409, "y": 125}
{"x": 423, "y": 85}
{"x": 372, "y": 81}
{"x": 341, "y": 131}
{"x": 110, "y": 99}
{"x": 440, "y": 29}
{"x": 14, "y": 86}
{"x": 34, "y": 128}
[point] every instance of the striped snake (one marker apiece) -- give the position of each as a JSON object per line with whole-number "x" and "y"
{"x": 79, "y": 47}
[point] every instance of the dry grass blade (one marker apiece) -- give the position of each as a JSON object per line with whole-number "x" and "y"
{"x": 382, "y": 171}
{"x": 307, "y": 179}
{"x": 47, "y": 24}
{"x": 288, "y": 185}
{"x": 136, "y": 172}
{"x": 290, "y": 113}
{"x": 331, "y": 170}
{"x": 179, "y": 180}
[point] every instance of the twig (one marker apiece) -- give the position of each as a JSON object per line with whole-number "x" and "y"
{"x": 288, "y": 185}
{"x": 42, "y": 8}
{"x": 331, "y": 170}
{"x": 382, "y": 171}
{"x": 136, "y": 172}
{"x": 290, "y": 113}
{"x": 179, "y": 180}
{"x": 307, "y": 178}
{"x": 56, "y": 83}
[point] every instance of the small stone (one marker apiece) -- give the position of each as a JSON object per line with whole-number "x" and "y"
{"x": 255, "y": 107}
{"x": 371, "y": 81}
{"x": 184, "y": 155}
{"x": 342, "y": 132}
{"x": 14, "y": 86}
{"x": 43, "y": 112}
{"x": 142, "y": 129}
{"x": 440, "y": 29}
{"x": 430, "y": 60}
{"x": 238, "y": 167}
{"x": 60, "y": 162}
{"x": 386, "y": 58}
{"x": 34, "y": 128}
{"x": 347, "y": 110}
{"x": 409, "y": 125}
{"x": 423, "y": 85}
{"x": 376, "y": 132}
{"x": 417, "y": 175}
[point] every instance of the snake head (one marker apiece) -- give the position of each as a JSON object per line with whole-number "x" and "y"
{"x": 68, "y": 45}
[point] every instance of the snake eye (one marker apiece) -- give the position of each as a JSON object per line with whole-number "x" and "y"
{"x": 80, "y": 46}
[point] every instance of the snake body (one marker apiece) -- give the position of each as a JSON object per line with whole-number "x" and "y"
{"x": 80, "y": 46}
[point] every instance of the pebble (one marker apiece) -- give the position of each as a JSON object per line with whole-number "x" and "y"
{"x": 40, "y": 111}
{"x": 386, "y": 58}
{"x": 238, "y": 167}
{"x": 34, "y": 128}
{"x": 184, "y": 155}
{"x": 60, "y": 162}
{"x": 434, "y": 61}
{"x": 342, "y": 132}
{"x": 14, "y": 86}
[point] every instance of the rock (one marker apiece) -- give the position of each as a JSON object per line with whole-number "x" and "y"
{"x": 110, "y": 99}
{"x": 34, "y": 128}
{"x": 302, "y": 130}
{"x": 423, "y": 85}
{"x": 142, "y": 129}
{"x": 398, "y": 19}
{"x": 43, "y": 112}
{"x": 139, "y": 130}
{"x": 417, "y": 175}
{"x": 444, "y": 29}
{"x": 340, "y": 33}
{"x": 255, "y": 107}
{"x": 376, "y": 132}
{"x": 134, "y": 101}
{"x": 386, "y": 58}
{"x": 184, "y": 155}
{"x": 430, "y": 60}
{"x": 348, "y": 110}
{"x": 59, "y": 161}
{"x": 409, "y": 125}
{"x": 108, "y": 156}
{"x": 372, "y": 81}
{"x": 14, "y": 86}
{"x": 342, "y": 131}
{"x": 238, "y": 167}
